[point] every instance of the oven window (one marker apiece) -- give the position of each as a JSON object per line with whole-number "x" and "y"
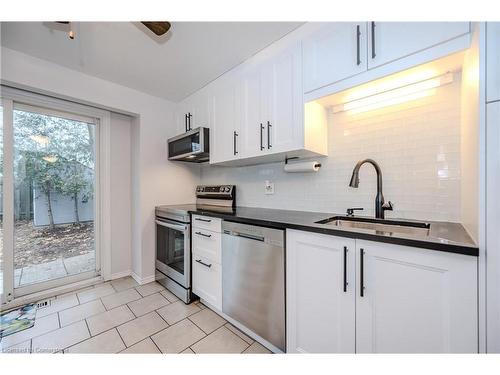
{"x": 170, "y": 248}
{"x": 184, "y": 145}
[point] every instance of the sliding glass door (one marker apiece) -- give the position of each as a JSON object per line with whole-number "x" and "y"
{"x": 52, "y": 183}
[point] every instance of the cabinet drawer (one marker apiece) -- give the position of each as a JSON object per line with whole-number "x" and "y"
{"x": 206, "y": 222}
{"x": 207, "y": 280}
{"x": 207, "y": 243}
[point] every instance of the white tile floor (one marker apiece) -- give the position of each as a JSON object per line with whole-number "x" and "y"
{"x": 123, "y": 317}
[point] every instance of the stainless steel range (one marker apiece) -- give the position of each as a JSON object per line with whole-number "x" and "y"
{"x": 173, "y": 236}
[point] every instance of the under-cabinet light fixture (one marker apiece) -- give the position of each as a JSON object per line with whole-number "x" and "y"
{"x": 394, "y": 96}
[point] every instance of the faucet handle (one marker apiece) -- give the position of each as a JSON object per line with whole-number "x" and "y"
{"x": 388, "y": 206}
{"x": 350, "y": 211}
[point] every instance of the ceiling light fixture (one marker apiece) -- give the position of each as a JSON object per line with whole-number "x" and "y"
{"x": 50, "y": 158}
{"x": 394, "y": 96}
{"x": 40, "y": 139}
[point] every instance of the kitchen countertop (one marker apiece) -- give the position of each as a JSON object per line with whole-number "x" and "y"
{"x": 443, "y": 236}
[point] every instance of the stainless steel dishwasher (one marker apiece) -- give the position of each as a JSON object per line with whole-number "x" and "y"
{"x": 253, "y": 279}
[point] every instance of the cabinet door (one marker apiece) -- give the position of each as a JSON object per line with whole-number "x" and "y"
{"x": 199, "y": 109}
{"x": 207, "y": 280}
{"x": 415, "y": 300}
{"x": 320, "y": 314}
{"x": 283, "y": 119}
{"x": 493, "y": 223}
{"x": 180, "y": 118}
{"x": 389, "y": 41}
{"x": 224, "y": 129}
{"x": 333, "y": 53}
{"x": 252, "y": 123}
{"x": 493, "y": 61}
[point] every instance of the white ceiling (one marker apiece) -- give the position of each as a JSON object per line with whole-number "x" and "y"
{"x": 189, "y": 56}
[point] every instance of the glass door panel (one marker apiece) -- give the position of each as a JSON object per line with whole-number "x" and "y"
{"x": 2, "y": 265}
{"x": 54, "y": 193}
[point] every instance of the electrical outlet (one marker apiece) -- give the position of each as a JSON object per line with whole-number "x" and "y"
{"x": 269, "y": 188}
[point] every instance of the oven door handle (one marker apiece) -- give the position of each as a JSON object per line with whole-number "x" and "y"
{"x": 171, "y": 226}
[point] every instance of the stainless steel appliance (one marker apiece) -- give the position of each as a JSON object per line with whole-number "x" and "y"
{"x": 173, "y": 251}
{"x": 253, "y": 279}
{"x": 173, "y": 236}
{"x": 191, "y": 146}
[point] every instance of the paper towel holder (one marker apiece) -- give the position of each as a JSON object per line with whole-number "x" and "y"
{"x": 296, "y": 157}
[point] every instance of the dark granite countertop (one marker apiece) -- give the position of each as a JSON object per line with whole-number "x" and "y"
{"x": 443, "y": 236}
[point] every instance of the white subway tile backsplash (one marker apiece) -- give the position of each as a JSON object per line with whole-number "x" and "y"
{"x": 417, "y": 146}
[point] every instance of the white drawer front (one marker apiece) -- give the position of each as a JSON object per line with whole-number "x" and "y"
{"x": 207, "y": 222}
{"x": 207, "y": 244}
{"x": 207, "y": 280}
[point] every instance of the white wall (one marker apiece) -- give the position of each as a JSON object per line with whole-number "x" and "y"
{"x": 121, "y": 197}
{"x": 417, "y": 145}
{"x": 155, "y": 180}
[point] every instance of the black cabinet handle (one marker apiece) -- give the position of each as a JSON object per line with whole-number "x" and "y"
{"x": 358, "y": 55}
{"x": 189, "y": 120}
{"x": 269, "y": 126}
{"x": 345, "y": 269}
{"x": 203, "y": 263}
{"x": 261, "y": 130}
{"x": 234, "y": 143}
{"x": 361, "y": 273}
{"x": 203, "y": 234}
{"x": 373, "y": 40}
{"x": 186, "y": 121}
{"x": 204, "y": 220}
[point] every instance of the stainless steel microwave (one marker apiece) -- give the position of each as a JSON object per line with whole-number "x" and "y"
{"x": 192, "y": 146}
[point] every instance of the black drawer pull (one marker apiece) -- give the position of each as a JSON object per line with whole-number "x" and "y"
{"x": 269, "y": 126}
{"x": 203, "y": 263}
{"x": 361, "y": 273}
{"x": 203, "y": 234}
{"x": 205, "y": 220}
{"x": 345, "y": 269}
{"x": 373, "y": 41}
{"x": 358, "y": 55}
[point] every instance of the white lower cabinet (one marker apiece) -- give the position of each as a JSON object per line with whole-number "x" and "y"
{"x": 207, "y": 280}
{"x": 415, "y": 300}
{"x": 320, "y": 314}
{"x": 398, "y": 299}
{"x": 206, "y": 259}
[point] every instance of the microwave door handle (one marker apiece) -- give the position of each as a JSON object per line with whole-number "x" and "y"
{"x": 171, "y": 226}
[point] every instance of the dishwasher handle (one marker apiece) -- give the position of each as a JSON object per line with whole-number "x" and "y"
{"x": 245, "y": 235}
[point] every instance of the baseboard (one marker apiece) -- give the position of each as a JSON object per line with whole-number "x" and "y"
{"x": 143, "y": 280}
{"x": 119, "y": 275}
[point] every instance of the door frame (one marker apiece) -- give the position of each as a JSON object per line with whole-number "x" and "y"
{"x": 12, "y": 98}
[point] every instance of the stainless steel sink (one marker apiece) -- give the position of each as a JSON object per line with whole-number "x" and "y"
{"x": 416, "y": 228}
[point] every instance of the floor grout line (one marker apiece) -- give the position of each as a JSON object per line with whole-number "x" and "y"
{"x": 121, "y": 338}
{"x": 154, "y": 343}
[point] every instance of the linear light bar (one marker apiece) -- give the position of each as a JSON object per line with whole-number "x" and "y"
{"x": 395, "y": 96}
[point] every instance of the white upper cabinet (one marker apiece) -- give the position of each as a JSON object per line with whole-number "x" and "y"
{"x": 493, "y": 61}
{"x": 334, "y": 52}
{"x": 252, "y": 111}
{"x": 320, "y": 287}
{"x": 268, "y": 122}
{"x": 272, "y": 115}
{"x": 284, "y": 115}
{"x": 412, "y": 300}
{"x": 225, "y": 120}
{"x": 389, "y": 41}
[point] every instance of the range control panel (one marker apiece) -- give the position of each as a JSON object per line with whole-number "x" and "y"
{"x": 214, "y": 189}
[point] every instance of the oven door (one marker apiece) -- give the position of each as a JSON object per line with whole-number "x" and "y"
{"x": 173, "y": 250}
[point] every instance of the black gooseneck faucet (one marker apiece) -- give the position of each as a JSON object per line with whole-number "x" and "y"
{"x": 380, "y": 205}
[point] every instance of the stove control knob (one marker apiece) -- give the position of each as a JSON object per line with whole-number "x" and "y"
{"x": 221, "y": 189}
{"x": 228, "y": 189}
